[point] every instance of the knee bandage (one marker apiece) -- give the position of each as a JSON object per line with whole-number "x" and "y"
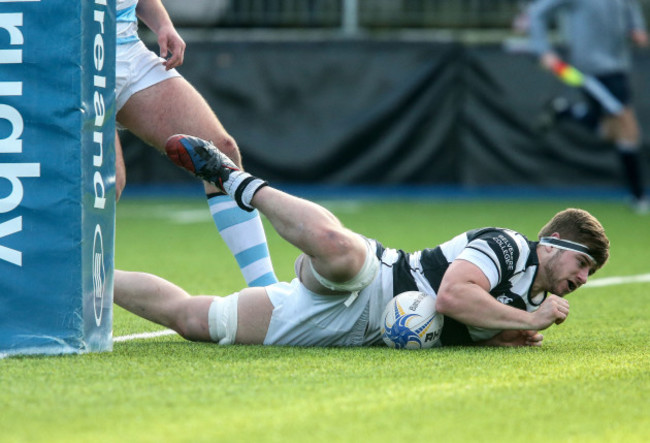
{"x": 366, "y": 274}
{"x": 222, "y": 319}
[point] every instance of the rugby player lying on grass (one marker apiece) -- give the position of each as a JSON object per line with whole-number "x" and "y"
{"x": 493, "y": 286}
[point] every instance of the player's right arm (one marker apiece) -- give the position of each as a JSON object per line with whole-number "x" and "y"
{"x": 155, "y": 16}
{"x": 540, "y": 14}
{"x": 464, "y": 296}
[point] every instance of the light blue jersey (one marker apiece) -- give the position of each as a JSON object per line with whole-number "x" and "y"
{"x": 126, "y": 21}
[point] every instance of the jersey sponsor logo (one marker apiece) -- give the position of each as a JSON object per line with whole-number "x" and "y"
{"x": 507, "y": 251}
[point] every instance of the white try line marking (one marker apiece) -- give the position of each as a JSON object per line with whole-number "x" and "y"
{"x": 144, "y": 335}
{"x": 600, "y": 282}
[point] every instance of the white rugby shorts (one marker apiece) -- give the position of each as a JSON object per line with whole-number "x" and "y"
{"x": 303, "y": 318}
{"x": 137, "y": 68}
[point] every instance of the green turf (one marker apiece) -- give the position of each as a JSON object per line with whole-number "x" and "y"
{"x": 590, "y": 381}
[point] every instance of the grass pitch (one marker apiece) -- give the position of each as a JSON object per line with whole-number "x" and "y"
{"x": 590, "y": 382}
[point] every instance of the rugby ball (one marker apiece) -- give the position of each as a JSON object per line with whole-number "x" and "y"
{"x": 410, "y": 321}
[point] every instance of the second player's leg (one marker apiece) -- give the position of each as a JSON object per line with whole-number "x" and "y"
{"x": 120, "y": 168}
{"x": 625, "y": 128}
{"x": 174, "y": 106}
{"x": 625, "y": 132}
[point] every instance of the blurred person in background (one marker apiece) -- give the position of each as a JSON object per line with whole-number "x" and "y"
{"x": 599, "y": 41}
{"x": 154, "y": 101}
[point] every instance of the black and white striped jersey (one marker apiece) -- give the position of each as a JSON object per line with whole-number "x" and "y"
{"x": 506, "y": 257}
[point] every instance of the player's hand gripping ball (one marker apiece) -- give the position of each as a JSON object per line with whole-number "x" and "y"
{"x": 411, "y": 321}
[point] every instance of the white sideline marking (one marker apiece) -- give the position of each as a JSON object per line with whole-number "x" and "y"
{"x": 611, "y": 281}
{"x": 600, "y": 282}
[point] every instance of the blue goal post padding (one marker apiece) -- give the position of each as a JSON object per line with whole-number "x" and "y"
{"x": 57, "y": 175}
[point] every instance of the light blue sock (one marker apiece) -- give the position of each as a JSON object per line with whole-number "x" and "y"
{"x": 244, "y": 235}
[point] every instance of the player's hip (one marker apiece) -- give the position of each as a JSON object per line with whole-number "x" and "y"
{"x": 304, "y": 318}
{"x": 137, "y": 68}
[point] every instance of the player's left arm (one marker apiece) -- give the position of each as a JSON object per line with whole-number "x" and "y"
{"x": 172, "y": 45}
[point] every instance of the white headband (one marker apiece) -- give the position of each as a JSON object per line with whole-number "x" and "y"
{"x": 567, "y": 245}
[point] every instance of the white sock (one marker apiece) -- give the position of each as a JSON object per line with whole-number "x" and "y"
{"x": 242, "y": 186}
{"x": 244, "y": 235}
